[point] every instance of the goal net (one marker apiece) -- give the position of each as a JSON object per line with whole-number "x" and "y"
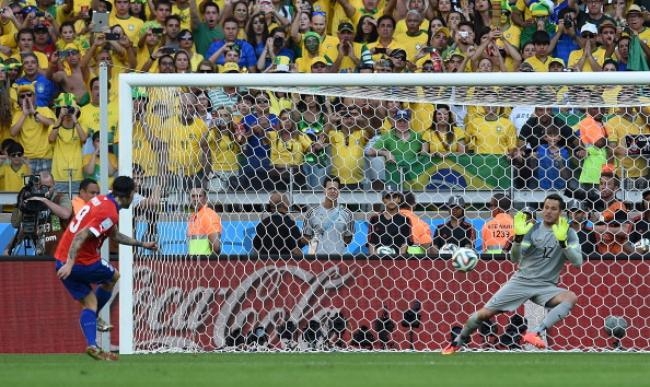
{"x": 259, "y": 150}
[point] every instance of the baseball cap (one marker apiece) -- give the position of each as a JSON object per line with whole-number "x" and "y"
{"x": 391, "y": 191}
{"x": 282, "y": 64}
{"x": 71, "y": 46}
{"x": 319, "y": 59}
{"x": 538, "y": 9}
{"x": 24, "y": 87}
{"x": 634, "y": 8}
{"x": 455, "y": 201}
{"x": 65, "y": 99}
{"x": 311, "y": 34}
{"x": 589, "y": 27}
{"x": 444, "y": 30}
{"x": 402, "y": 114}
{"x": 230, "y": 67}
{"x": 606, "y": 23}
{"x": 346, "y": 26}
{"x": 398, "y": 53}
{"x": 556, "y": 60}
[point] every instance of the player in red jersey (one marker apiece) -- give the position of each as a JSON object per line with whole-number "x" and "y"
{"x": 79, "y": 264}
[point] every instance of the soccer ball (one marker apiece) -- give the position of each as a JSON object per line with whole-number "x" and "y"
{"x": 385, "y": 250}
{"x": 615, "y": 326}
{"x": 448, "y": 249}
{"x": 464, "y": 259}
{"x": 643, "y": 245}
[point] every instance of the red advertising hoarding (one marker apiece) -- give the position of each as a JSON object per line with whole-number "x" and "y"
{"x": 199, "y": 304}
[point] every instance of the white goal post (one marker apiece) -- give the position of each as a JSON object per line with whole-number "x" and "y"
{"x": 401, "y": 87}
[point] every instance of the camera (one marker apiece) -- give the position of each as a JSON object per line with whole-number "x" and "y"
{"x": 31, "y": 208}
{"x": 112, "y": 36}
{"x": 168, "y": 50}
{"x": 278, "y": 42}
{"x": 568, "y": 22}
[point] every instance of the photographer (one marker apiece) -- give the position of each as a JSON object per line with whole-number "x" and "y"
{"x": 565, "y": 38}
{"x": 67, "y": 137}
{"x": 41, "y": 216}
{"x": 276, "y": 45}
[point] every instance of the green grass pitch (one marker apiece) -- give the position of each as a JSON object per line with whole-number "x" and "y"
{"x": 331, "y": 370}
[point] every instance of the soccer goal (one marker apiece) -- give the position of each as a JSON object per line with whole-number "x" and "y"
{"x": 242, "y": 136}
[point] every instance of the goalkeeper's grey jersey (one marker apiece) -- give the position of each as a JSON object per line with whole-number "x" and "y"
{"x": 542, "y": 258}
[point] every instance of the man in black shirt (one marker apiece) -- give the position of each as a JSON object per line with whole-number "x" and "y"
{"x": 389, "y": 232}
{"x": 278, "y": 234}
{"x": 456, "y": 230}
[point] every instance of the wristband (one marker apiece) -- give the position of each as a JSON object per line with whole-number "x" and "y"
{"x": 562, "y": 244}
{"x": 56, "y": 127}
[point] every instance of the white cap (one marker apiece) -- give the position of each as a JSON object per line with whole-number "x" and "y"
{"x": 589, "y": 27}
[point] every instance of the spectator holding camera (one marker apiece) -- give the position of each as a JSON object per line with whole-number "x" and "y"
{"x": 67, "y": 137}
{"x": 565, "y": 39}
{"x": 276, "y": 45}
{"x": 31, "y": 127}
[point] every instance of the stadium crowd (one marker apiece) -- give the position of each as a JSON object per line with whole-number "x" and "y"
{"x": 231, "y": 138}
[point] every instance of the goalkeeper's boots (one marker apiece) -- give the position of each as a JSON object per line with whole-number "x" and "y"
{"x": 453, "y": 347}
{"x": 103, "y": 326}
{"x": 533, "y": 339}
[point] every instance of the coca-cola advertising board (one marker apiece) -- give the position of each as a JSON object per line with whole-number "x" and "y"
{"x": 206, "y": 305}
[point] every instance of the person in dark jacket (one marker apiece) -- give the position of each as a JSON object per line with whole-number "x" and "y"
{"x": 277, "y": 234}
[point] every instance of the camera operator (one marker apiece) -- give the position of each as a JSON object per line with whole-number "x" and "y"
{"x": 41, "y": 216}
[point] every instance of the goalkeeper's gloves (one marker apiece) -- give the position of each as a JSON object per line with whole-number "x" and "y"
{"x": 561, "y": 231}
{"x": 521, "y": 225}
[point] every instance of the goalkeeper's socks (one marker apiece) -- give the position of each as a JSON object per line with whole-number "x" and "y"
{"x": 103, "y": 296}
{"x": 556, "y": 314}
{"x": 471, "y": 325}
{"x": 88, "y": 322}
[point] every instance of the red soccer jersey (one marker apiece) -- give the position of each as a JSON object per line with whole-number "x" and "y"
{"x": 99, "y": 216}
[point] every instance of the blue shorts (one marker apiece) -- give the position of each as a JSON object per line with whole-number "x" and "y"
{"x": 82, "y": 277}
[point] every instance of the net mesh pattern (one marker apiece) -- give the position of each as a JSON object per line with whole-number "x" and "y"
{"x": 295, "y": 273}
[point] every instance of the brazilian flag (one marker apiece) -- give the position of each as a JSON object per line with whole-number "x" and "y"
{"x": 469, "y": 171}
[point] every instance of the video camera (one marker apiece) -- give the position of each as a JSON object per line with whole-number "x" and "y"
{"x": 31, "y": 208}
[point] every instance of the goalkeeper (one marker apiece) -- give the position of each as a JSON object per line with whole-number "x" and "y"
{"x": 540, "y": 249}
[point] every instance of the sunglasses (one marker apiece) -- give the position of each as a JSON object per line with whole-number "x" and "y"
{"x": 588, "y": 35}
{"x": 318, "y": 13}
{"x": 16, "y": 155}
{"x": 204, "y": 71}
{"x": 25, "y": 95}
